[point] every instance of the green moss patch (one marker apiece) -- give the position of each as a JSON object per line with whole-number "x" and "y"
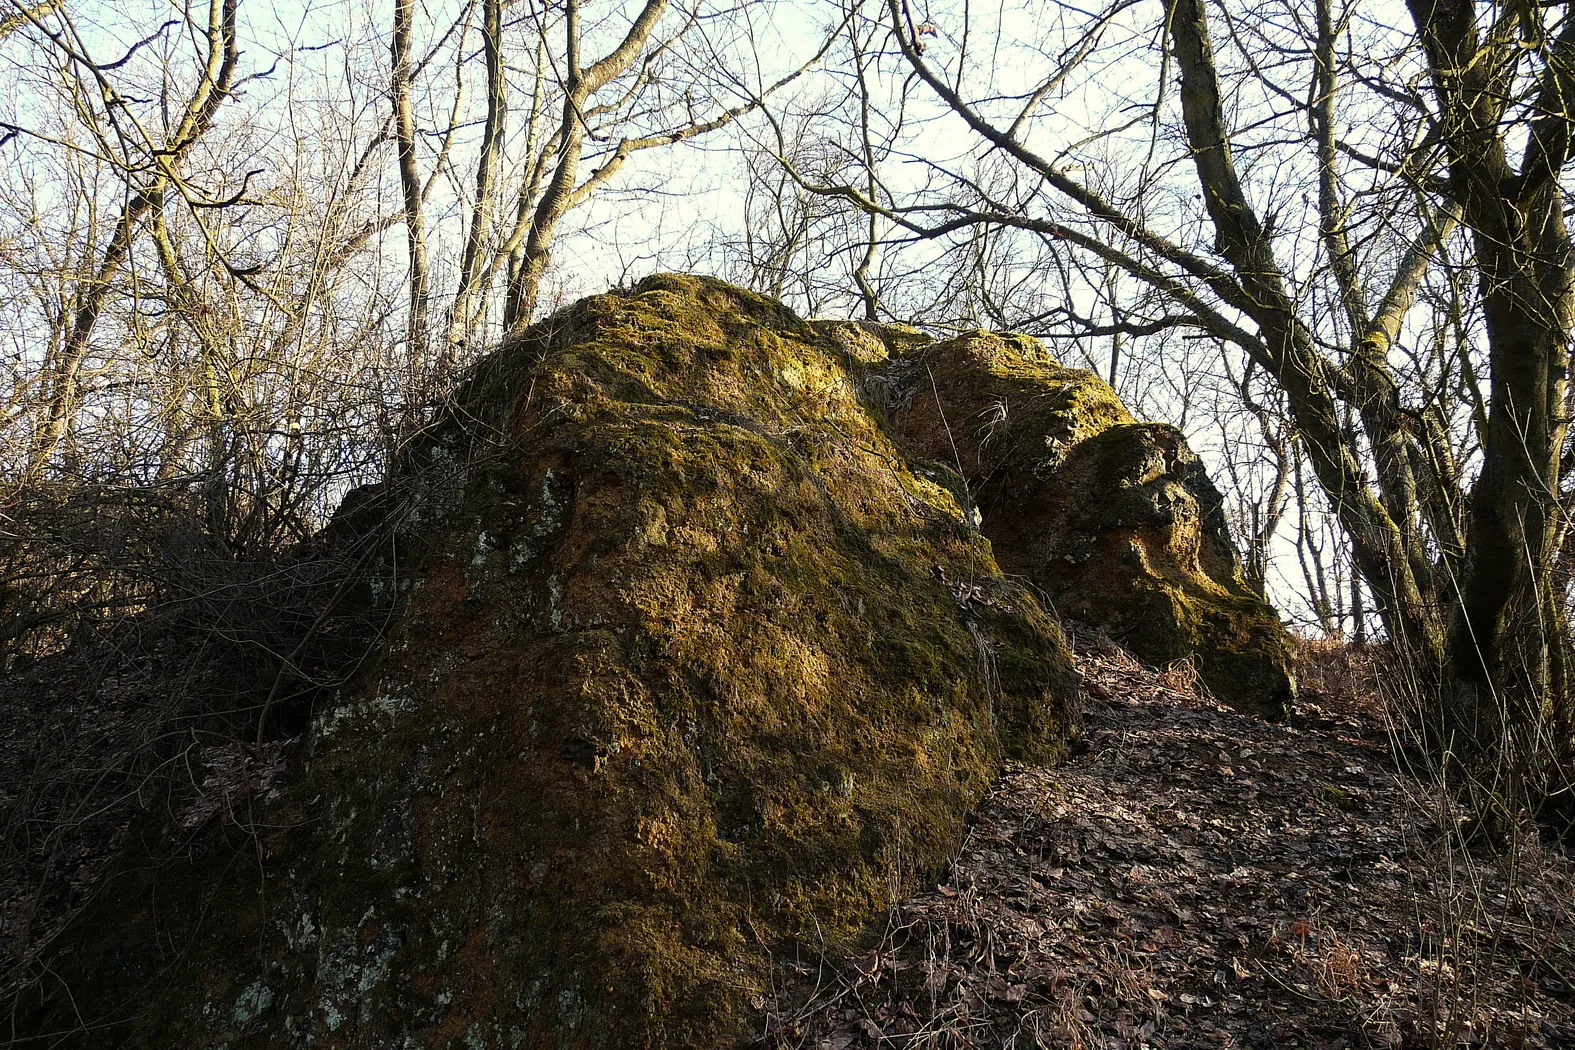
{"x": 700, "y": 651}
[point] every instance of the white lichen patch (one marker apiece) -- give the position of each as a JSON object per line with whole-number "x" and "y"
{"x": 520, "y": 554}
{"x": 392, "y": 700}
{"x": 555, "y": 601}
{"x": 254, "y": 999}
{"x": 525, "y": 549}
{"x": 377, "y": 969}
{"x": 351, "y": 965}
{"x": 333, "y": 717}
{"x": 551, "y": 507}
{"x": 300, "y": 933}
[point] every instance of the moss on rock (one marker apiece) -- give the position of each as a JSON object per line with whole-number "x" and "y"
{"x": 1116, "y": 520}
{"x": 690, "y": 664}
{"x": 697, "y": 656}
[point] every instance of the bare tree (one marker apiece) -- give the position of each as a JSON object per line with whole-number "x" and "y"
{"x": 150, "y": 163}
{"x": 546, "y": 198}
{"x": 239, "y": 281}
{"x": 465, "y": 316}
{"x": 410, "y": 184}
{"x": 1452, "y": 522}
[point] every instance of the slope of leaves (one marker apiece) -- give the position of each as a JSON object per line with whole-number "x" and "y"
{"x": 1199, "y": 878}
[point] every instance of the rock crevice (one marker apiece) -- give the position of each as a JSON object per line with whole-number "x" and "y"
{"x": 1114, "y": 519}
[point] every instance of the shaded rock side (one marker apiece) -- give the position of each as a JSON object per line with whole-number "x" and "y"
{"x": 1114, "y": 519}
{"x": 688, "y": 668}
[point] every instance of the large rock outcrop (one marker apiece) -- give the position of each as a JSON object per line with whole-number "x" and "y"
{"x": 687, "y": 666}
{"x": 696, "y": 657}
{"x": 1114, "y": 519}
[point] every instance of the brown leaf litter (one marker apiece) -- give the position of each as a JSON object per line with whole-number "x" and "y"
{"x": 1203, "y": 878}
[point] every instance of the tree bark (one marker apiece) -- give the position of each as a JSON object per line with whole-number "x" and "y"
{"x": 1380, "y": 545}
{"x": 1501, "y": 667}
{"x": 411, "y": 188}
{"x": 558, "y": 198}
{"x": 465, "y": 319}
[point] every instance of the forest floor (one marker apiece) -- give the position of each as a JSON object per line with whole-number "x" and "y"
{"x": 1201, "y": 878}
{"x": 1196, "y": 878}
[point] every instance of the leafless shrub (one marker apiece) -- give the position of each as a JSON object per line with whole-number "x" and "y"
{"x": 1341, "y": 675}
{"x": 148, "y": 664}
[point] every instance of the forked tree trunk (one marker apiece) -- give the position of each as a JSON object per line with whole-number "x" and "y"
{"x": 1502, "y": 675}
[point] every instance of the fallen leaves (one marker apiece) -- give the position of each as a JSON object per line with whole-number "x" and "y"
{"x": 1202, "y": 878}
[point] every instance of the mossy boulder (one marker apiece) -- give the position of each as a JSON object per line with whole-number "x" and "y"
{"x": 690, "y": 666}
{"x": 1114, "y": 519}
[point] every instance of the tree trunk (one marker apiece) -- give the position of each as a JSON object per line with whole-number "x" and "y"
{"x": 1501, "y": 669}
{"x": 1381, "y": 547}
{"x": 560, "y": 196}
{"x": 410, "y": 186}
{"x": 466, "y": 317}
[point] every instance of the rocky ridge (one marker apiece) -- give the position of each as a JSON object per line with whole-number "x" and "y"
{"x": 700, "y": 649}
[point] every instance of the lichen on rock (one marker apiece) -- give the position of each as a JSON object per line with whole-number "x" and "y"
{"x": 697, "y": 658}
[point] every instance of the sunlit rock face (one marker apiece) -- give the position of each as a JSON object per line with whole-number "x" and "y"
{"x": 699, "y": 649}
{"x": 1114, "y": 520}
{"x": 689, "y": 667}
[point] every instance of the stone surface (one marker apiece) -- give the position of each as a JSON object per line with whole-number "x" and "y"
{"x": 697, "y": 659}
{"x": 688, "y": 669}
{"x": 1115, "y": 520}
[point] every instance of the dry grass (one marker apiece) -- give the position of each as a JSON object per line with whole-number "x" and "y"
{"x": 1338, "y": 676}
